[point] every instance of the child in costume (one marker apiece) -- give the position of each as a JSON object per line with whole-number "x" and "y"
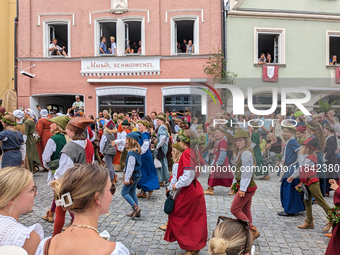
{"x": 176, "y": 153}
{"x": 12, "y": 143}
{"x": 201, "y": 137}
{"x": 244, "y": 183}
{"x": 126, "y": 129}
{"x": 149, "y": 180}
{"x": 78, "y": 151}
{"x": 291, "y": 199}
{"x": 222, "y": 176}
{"x": 31, "y": 146}
{"x": 133, "y": 171}
{"x": 256, "y": 140}
{"x": 188, "y": 220}
{"x": 162, "y": 144}
{"x": 108, "y": 150}
{"x": 307, "y": 172}
{"x": 116, "y": 160}
{"x": 52, "y": 151}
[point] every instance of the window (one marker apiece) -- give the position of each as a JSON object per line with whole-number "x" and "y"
{"x": 333, "y": 45}
{"x": 133, "y": 37}
{"x": 60, "y": 32}
{"x": 183, "y": 31}
{"x": 179, "y": 103}
{"x": 270, "y": 41}
{"x": 128, "y": 33}
{"x": 122, "y": 104}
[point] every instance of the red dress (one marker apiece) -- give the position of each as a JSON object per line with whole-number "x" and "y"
{"x": 188, "y": 220}
{"x": 222, "y": 176}
{"x": 334, "y": 244}
{"x": 43, "y": 130}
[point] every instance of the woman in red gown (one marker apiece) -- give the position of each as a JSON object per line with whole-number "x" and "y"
{"x": 188, "y": 220}
{"x": 43, "y": 130}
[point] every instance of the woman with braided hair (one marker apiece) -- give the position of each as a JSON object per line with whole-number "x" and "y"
{"x": 314, "y": 129}
{"x": 149, "y": 180}
{"x": 188, "y": 220}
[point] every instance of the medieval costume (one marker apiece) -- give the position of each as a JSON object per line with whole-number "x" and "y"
{"x": 19, "y": 115}
{"x": 116, "y": 160}
{"x": 31, "y": 146}
{"x": 256, "y": 140}
{"x": 43, "y": 131}
{"x": 126, "y": 130}
{"x": 330, "y": 158}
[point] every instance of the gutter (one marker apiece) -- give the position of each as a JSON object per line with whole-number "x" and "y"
{"x": 15, "y": 49}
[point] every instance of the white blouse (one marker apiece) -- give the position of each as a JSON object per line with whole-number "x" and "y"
{"x": 120, "y": 249}
{"x": 12, "y": 233}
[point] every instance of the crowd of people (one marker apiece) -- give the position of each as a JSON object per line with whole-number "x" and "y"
{"x": 171, "y": 150}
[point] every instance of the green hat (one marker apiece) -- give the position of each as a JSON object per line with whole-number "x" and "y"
{"x": 298, "y": 113}
{"x": 241, "y": 134}
{"x": 61, "y": 121}
{"x": 200, "y": 126}
{"x": 177, "y": 146}
{"x": 161, "y": 117}
{"x": 125, "y": 123}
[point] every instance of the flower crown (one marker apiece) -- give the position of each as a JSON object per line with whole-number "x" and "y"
{"x": 144, "y": 122}
{"x": 186, "y": 139}
{"x": 6, "y": 121}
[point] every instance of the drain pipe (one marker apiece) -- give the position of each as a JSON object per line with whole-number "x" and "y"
{"x": 223, "y": 32}
{"x": 15, "y": 49}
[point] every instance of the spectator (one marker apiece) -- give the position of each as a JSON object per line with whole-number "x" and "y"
{"x": 332, "y": 114}
{"x": 55, "y": 49}
{"x": 194, "y": 124}
{"x": 78, "y": 106}
{"x": 333, "y": 60}
{"x": 102, "y": 47}
{"x": 135, "y": 47}
{"x": 153, "y": 118}
{"x": 179, "y": 48}
{"x": 184, "y": 46}
{"x": 301, "y": 120}
{"x": 269, "y": 58}
{"x": 172, "y": 121}
{"x": 127, "y": 50}
{"x": 113, "y": 49}
{"x": 140, "y": 48}
{"x": 275, "y": 146}
{"x": 262, "y": 59}
{"x": 190, "y": 47}
{"x": 16, "y": 198}
{"x": 266, "y": 128}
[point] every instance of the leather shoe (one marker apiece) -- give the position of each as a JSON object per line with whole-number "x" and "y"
{"x": 283, "y": 213}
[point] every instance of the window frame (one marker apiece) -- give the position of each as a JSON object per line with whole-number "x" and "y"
{"x": 120, "y": 34}
{"x": 329, "y": 33}
{"x": 46, "y": 40}
{"x": 173, "y": 46}
{"x": 282, "y": 42}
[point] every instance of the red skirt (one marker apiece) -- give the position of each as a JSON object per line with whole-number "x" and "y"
{"x": 188, "y": 221}
{"x": 223, "y": 177}
{"x": 334, "y": 244}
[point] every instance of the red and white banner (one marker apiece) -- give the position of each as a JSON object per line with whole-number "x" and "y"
{"x": 270, "y": 73}
{"x": 337, "y": 75}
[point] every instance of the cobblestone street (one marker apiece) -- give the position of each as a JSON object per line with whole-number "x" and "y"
{"x": 279, "y": 235}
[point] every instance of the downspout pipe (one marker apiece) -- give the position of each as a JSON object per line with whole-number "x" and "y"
{"x": 15, "y": 49}
{"x": 223, "y": 37}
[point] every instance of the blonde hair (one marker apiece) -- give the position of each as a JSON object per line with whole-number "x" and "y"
{"x": 230, "y": 237}
{"x": 13, "y": 181}
{"x": 112, "y": 37}
{"x": 270, "y": 134}
{"x": 133, "y": 145}
{"x": 247, "y": 147}
{"x": 110, "y": 131}
{"x": 177, "y": 155}
{"x": 82, "y": 182}
{"x": 59, "y": 130}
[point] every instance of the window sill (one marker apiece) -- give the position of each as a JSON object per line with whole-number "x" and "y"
{"x": 332, "y": 66}
{"x": 271, "y": 64}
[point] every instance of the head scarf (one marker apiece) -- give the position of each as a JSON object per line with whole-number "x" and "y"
{"x": 30, "y": 112}
{"x": 19, "y": 114}
{"x": 44, "y": 113}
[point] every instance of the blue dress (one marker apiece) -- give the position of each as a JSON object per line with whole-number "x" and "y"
{"x": 149, "y": 179}
{"x": 163, "y": 172}
{"x": 11, "y": 142}
{"x": 291, "y": 200}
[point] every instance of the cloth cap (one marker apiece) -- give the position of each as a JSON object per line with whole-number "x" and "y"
{"x": 61, "y": 121}
{"x": 8, "y": 120}
{"x": 200, "y": 126}
{"x": 31, "y": 113}
{"x": 43, "y": 113}
{"x": 59, "y": 114}
{"x": 161, "y": 117}
{"x": 298, "y": 113}
{"x": 312, "y": 143}
{"x": 19, "y": 114}
{"x": 135, "y": 135}
{"x": 125, "y": 123}
{"x": 241, "y": 134}
{"x": 78, "y": 124}
{"x": 301, "y": 129}
{"x": 110, "y": 125}
{"x": 177, "y": 146}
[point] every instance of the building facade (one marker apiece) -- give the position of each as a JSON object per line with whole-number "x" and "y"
{"x": 301, "y": 37}
{"x": 146, "y": 71}
{"x": 7, "y": 16}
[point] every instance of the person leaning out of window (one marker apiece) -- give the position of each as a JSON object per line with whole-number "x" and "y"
{"x": 102, "y": 47}
{"x": 55, "y": 49}
{"x": 190, "y": 47}
{"x": 262, "y": 60}
{"x": 113, "y": 49}
{"x": 333, "y": 60}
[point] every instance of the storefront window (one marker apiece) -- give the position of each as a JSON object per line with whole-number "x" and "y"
{"x": 122, "y": 104}
{"x": 182, "y": 103}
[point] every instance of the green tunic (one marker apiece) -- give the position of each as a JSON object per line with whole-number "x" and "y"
{"x": 31, "y": 146}
{"x": 255, "y": 138}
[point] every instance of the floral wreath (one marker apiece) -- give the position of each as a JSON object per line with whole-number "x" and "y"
{"x": 144, "y": 122}
{"x": 333, "y": 215}
{"x": 185, "y": 138}
{"x": 8, "y": 121}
